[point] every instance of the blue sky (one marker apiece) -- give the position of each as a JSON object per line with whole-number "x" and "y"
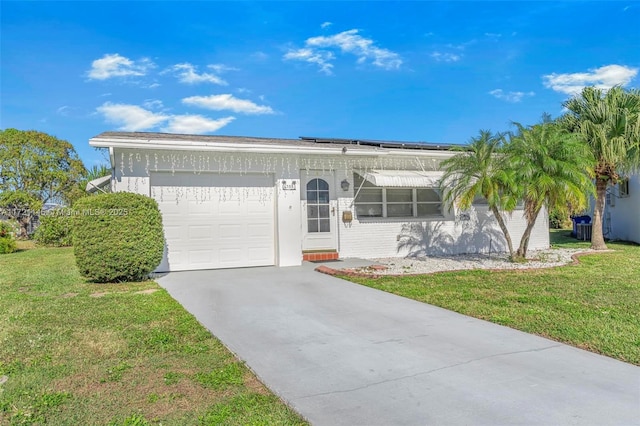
{"x": 409, "y": 71}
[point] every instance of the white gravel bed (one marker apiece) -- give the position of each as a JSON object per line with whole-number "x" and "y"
{"x": 425, "y": 265}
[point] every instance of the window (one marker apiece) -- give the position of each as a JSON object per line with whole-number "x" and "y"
{"x": 623, "y": 188}
{"x": 375, "y": 201}
{"x": 318, "y": 219}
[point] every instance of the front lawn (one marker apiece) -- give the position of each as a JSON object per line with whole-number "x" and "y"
{"x": 594, "y": 305}
{"x": 79, "y": 354}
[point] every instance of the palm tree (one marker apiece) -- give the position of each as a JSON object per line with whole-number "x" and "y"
{"x": 609, "y": 123}
{"x": 479, "y": 171}
{"x": 552, "y": 167}
{"x": 97, "y": 171}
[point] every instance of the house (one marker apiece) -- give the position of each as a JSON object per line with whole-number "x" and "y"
{"x": 244, "y": 201}
{"x": 621, "y": 219}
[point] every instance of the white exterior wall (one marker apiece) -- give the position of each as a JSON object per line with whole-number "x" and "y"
{"x": 393, "y": 237}
{"x": 624, "y": 217}
{"x": 133, "y": 168}
{"x": 367, "y": 238}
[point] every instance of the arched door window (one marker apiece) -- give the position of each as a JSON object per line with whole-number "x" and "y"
{"x": 318, "y": 206}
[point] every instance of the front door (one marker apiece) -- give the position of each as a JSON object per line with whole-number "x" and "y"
{"x": 319, "y": 211}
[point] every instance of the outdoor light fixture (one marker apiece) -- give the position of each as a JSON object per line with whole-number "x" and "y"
{"x": 344, "y": 185}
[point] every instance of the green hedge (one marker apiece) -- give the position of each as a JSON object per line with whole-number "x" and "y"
{"x": 55, "y": 228}
{"x": 117, "y": 237}
{"x": 7, "y": 239}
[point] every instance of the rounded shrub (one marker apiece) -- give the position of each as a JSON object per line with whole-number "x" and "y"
{"x": 55, "y": 228}
{"x": 7, "y": 245}
{"x": 117, "y": 236}
{"x": 7, "y": 238}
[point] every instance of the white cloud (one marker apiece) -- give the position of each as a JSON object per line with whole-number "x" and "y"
{"x": 153, "y": 104}
{"x": 227, "y": 102}
{"x": 512, "y": 97}
{"x": 320, "y": 58}
{"x": 451, "y": 52}
{"x": 130, "y": 118}
{"x": 63, "y": 110}
{"x": 603, "y": 78}
{"x": 195, "y": 124}
{"x": 326, "y": 24}
{"x": 446, "y": 56}
{"x": 115, "y": 65}
{"x": 351, "y": 42}
{"x": 187, "y": 74}
{"x": 133, "y": 118}
{"x": 317, "y": 51}
{"x": 220, "y": 68}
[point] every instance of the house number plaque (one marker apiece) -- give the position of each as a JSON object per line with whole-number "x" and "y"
{"x": 288, "y": 185}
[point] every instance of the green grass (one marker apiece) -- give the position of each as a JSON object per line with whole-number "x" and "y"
{"x": 119, "y": 354}
{"x": 594, "y": 305}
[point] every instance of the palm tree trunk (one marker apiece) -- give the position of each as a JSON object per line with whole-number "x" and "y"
{"x": 504, "y": 229}
{"x": 597, "y": 237}
{"x": 526, "y": 236}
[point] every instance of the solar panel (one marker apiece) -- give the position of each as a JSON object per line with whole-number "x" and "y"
{"x": 381, "y": 144}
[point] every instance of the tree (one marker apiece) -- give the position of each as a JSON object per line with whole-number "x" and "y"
{"x": 97, "y": 171}
{"x": 35, "y": 168}
{"x": 552, "y": 167}
{"x": 479, "y": 170}
{"x": 609, "y": 123}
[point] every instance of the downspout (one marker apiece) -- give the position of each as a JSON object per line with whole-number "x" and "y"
{"x": 112, "y": 159}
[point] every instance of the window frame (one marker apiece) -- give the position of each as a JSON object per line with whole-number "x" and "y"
{"x": 623, "y": 188}
{"x": 384, "y": 203}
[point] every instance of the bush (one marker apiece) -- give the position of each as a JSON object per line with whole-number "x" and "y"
{"x": 117, "y": 236}
{"x": 558, "y": 219}
{"x": 7, "y": 238}
{"x": 7, "y": 245}
{"x": 55, "y": 228}
{"x": 5, "y": 229}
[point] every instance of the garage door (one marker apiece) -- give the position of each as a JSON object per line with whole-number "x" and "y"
{"x": 215, "y": 221}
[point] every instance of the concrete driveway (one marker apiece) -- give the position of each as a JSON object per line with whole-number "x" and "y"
{"x": 343, "y": 354}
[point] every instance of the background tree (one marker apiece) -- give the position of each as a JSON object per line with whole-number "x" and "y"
{"x": 479, "y": 170}
{"x": 35, "y": 168}
{"x": 552, "y": 167}
{"x": 609, "y": 123}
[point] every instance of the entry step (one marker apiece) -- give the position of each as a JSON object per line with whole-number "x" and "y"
{"x": 319, "y": 256}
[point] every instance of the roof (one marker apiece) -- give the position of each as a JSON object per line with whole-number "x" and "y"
{"x": 384, "y": 144}
{"x": 98, "y": 184}
{"x": 245, "y": 143}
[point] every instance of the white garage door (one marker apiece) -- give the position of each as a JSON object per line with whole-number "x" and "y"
{"x": 215, "y": 220}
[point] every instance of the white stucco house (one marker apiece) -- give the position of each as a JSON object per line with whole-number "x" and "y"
{"x": 621, "y": 219}
{"x": 243, "y": 201}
